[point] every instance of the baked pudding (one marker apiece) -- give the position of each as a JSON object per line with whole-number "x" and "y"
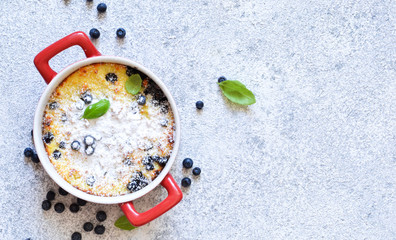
{"x": 122, "y": 150}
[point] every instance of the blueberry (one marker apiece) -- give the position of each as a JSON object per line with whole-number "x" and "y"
{"x": 81, "y": 202}
{"x": 53, "y": 105}
{"x": 141, "y": 100}
{"x": 75, "y": 145}
{"x": 28, "y": 152}
{"x": 94, "y": 33}
{"x": 50, "y": 195}
{"x": 48, "y": 137}
{"x": 149, "y": 167}
{"x": 133, "y": 186}
{"x": 80, "y": 105}
{"x": 196, "y": 171}
{"x": 56, "y": 154}
{"x": 100, "y": 229}
{"x": 102, "y": 7}
{"x": 221, "y": 79}
{"x": 46, "y": 205}
{"x": 62, "y": 192}
{"x": 186, "y": 182}
{"x": 127, "y": 161}
{"x": 111, "y": 77}
{"x": 164, "y": 122}
{"x": 199, "y": 104}
{"x": 62, "y": 145}
{"x": 147, "y": 160}
{"x": 35, "y": 158}
{"x": 74, "y": 208}
{"x": 101, "y": 216}
{"x": 162, "y": 160}
{"x": 89, "y": 140}
{"x": 90, "y": 181}
{"x": 164, "y": 109}
{"x": 130, "y": 71}
{"x": 59, "y": 207}
{"x": 88, "y": 226}
{"x": 76, "y": 236}
{"x": 86, "y": 97}
{"x": 121, "y": 33}
{"x": 137, "y": 182}
{"x": 187, "y": 163}
{"x": 31, "y": 132}
{"x": 63, "y": 117}
{"x": 89, "y": 150}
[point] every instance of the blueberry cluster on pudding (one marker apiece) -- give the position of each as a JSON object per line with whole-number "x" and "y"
{"x": 121, "y": 151}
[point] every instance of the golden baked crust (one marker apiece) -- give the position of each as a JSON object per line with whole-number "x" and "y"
{"x": 62, "y": 126}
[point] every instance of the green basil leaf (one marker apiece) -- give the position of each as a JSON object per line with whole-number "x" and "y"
{"x": 96, "y": 110}
{"x": 124, "y": 224}
{"x": 237, "y": 92}
{"x": 133, "y": 84}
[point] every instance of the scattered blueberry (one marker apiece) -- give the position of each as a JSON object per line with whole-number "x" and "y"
{"x": 100, "y": 229}
{"x": 187, "y": 163}
{"x": 75, "y": 145}
{"x": 121, "y": 33}
{"x": 81, "y": 202}
{"x": 91, "y": 180}
{"x": 56, "y": 154}
{"x": 76, "y": 236}
{"x": 35, "y": 158}
{"x": 74, "y": 208}
{"x": 88, "y": 226}
{"x": 46, "y": 205}
{"x": 101, "y": 216}
{"x": 221, "y": 79}
{"x": 141, "y": 100}
{"x": 102, "y": 7}
{"x": 186, "y": 182}
{"x": 94, "y": 33}
{"x": 89, "y": 150}
{"x": 50, "y": 195}
{"x": 89, "y": 140}
{"x": 196, "y": 171}
{"x": 48, "y": 137}
{"x": 59, "y": 207}
{"x": 111, "y": 77}
{"x": 62, "y": 192}
{"x": 199, "y": 104}
{"x": 28, "y": 152}
{"x": 53, "y": 105}
{"x": 62, "y": 145}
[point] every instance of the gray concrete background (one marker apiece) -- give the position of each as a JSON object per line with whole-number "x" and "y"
{"x": 314, "y": 158}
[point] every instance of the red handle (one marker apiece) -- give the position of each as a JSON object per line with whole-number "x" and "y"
{"x": 77, "y": 38}
{"x": 174, "y": 197}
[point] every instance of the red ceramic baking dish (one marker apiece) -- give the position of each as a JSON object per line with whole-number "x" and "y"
{"x": 53, "y": 79}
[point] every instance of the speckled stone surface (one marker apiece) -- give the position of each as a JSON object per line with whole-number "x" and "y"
{"x": 314, "y": 158}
